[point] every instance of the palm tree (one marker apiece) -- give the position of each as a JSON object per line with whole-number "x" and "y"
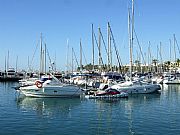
{"x": 178, "y": 62}
{"x": 167, "y": 65}
{"x": 137, "y": 63}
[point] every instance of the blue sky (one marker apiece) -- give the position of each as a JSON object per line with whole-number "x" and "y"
{"x": 22, "y": 21}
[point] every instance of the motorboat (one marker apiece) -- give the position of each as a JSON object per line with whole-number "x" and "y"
{"x": 137, "y": 87}
{"x": 170, "y": 78}
{"x": 51, "y": 88}
{"x": 108, "y": 93}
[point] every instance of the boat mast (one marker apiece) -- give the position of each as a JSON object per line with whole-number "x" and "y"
{"x": 157, "y": 59}
{"x": 72, "y": 60}
{"x": 92, "y": 47}
{"x": 160, "y": 53}
{"x": 81, "y": 56}
{"x": 130, "y": 43}
{"x": 5, "y": 68}
{"x": 41, "y": 55}
{"x": 67, "y": 57}
{"x": 175, "y": 47}
{"x": 43, "y": 61}
{"x": 45, "y": 58}
{"x": 132, "y": 38}
{"x": 149, "y": 56}
{"x": 170, "y": 50}
{"x": 75, "y": 58}
{"x": 55, "y": 63}
{"x": 116, "y": 51}
{"x": 109, "y": 58}
{"x": 175, "y": 50}
{"x": 99, "y": 46}
{"x": 108, "y": 54}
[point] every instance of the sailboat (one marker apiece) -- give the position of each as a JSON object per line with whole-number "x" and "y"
{"x": 137, "y": 86}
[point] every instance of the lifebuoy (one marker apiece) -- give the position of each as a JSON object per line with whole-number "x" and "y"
{"x": 38, "y": 84}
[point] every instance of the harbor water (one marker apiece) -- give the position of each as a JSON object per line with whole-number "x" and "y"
{"x": 151, "y": 114}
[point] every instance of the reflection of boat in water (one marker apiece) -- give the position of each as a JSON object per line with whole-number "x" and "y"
{"x": 170, "y": 87}
{"x": 133, "y": 99}
{"x": 123, "y": 113}
{"x": 144, "y": 97}
{"x": 48, "y": 106}
{"x": 170, "y": 91}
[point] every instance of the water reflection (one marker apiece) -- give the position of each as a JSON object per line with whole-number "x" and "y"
{"x": 139, "y": 114}
{"x": 135, "y": 99}
{"x": 122, "y": 113}
{"x": 175, "y": 88}
{"x": 48, "y": 106}
{"x": 170, "y": 91}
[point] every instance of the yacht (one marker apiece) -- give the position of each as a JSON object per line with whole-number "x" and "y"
{"x": 51, "y": 88}
{"x": 171, "y": 78}
{"x": 137, "y": 87}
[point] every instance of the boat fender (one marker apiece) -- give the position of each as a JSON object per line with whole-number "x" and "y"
{"x": 38, "y": 84}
